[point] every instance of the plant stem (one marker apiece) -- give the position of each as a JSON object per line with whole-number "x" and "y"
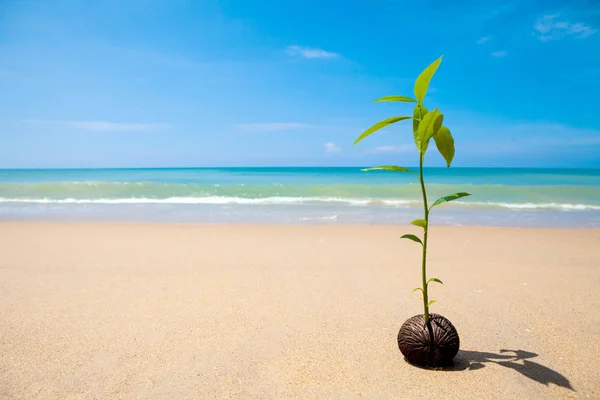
{"x": 424, "y": 260}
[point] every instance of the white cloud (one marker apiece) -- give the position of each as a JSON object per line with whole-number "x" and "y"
{"x": 499, "y": 54}
{"x": 310, "y": 53}
{"x": 332, "y": 148}
{"x": 550, "y": 27}
{"x": 483, "y": 40}
{"x": 105, "y": 126}
{"x": 393, "y": 149}
{"x": 101, "y": 126}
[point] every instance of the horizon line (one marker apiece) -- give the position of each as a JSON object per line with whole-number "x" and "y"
{"x": 280, "y": 167}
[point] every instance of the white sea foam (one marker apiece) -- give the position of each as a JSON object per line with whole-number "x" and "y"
{"x": 534, "y": 206}
{"x": 325, "y": 218}
{"x": 282, "y": 200}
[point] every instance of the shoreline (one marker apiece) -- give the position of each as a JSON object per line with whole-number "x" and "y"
{"x": 286, "y": 225}
{"x": 146, "y": 310}
{"x": 304, "y": 225}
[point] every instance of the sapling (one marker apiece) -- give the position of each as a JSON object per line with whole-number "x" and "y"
{"x": 426, "y": 339}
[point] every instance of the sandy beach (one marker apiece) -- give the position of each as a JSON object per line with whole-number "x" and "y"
{"x": 165, "y": 311}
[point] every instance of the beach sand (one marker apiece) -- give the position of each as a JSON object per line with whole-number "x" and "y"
{"x": 161, "y": 311}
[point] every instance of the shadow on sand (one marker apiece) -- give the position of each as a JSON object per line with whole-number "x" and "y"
{"x": 473, "y": 360}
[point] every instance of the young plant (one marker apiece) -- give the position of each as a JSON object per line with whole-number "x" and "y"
{"x": 427, "y": 339}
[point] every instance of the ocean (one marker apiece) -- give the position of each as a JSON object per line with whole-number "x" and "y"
{"x": 319, "y": 195}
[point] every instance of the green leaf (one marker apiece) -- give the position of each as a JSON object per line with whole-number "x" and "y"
{"x": 445, "y": 144}
{"x": 380, "y": 125}
{"x": 429, "y": 126}
{"x": 418, "y": 113}
{"x": 411, "y": 237}
{"x": 434, "y": 280}
{"x": 431, "y": 302}
{"x": 396, "y": 98}
{"x": 419, "y": 222}
{"x": 422, "y": 82}
{"x": 388, "y": 168}
{"x": 450, "y": 197}
{"x": 415, "y": 289}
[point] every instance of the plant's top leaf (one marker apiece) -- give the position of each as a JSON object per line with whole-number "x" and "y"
{"x": 412, "y": 237}
{"x": 422, "y": 82}
{"x": 429, "y": 125}
{"x": 380, "y": 125}
{"x": 445, "y": 144}
{"x": 397, "y": 98}
{"x": 388, "y": 168}
{"x": 450, "y": 197}
{"x": 419, "y": 222}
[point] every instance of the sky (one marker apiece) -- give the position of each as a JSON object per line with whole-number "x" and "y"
{"x": 179, "y": 83}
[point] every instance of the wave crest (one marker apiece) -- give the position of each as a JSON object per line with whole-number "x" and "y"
{"x": 314, "y": 200}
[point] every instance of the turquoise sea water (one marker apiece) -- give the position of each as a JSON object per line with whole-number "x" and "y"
{"x": 513, "y": 197}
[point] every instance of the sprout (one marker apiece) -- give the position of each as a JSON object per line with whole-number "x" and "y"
{"x": 424, "y": 346}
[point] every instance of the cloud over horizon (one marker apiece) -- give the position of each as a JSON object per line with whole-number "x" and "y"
{"x": 331, "y": 147}
{"x": 307, "y": 52}
{"x": 549, "y": 27}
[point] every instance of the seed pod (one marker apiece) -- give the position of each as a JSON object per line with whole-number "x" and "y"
{"x": 431, "y": 345}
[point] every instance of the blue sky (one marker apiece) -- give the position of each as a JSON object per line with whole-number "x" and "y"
{"x": 236, "y": 83}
